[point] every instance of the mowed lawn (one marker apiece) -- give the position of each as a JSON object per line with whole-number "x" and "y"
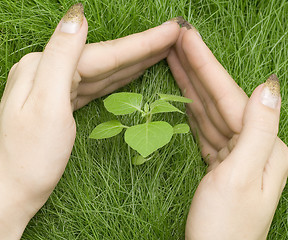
{"x": 101, "y": 194}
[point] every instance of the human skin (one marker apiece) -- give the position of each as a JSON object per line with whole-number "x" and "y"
{"x": 37, "y": 128}
{"x": 247, "y": 162}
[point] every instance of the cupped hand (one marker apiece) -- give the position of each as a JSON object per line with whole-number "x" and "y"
{"x": 106, "y": 66}
{"x": 37, "y": 129}
{"x": 247, "y": 162}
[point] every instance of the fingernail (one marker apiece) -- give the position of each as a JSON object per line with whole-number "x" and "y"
{"x": 167, "y": 22}
{"x": 187, "y": 25}
{"x": 171, "y": 21}
{"x": 73, "y": 19}
{"x": 271, "y": 92}
{"x": 181, "y": 21}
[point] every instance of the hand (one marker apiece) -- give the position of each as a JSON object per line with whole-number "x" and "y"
{"x": 247, "y": 163}
{"x": 106, "y": 66}
{"x": 37, "y": 129}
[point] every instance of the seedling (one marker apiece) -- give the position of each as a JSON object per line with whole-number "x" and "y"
{"x": 144, "y": 138}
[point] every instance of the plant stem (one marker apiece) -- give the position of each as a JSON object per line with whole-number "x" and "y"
{"x": 148, "y": 117}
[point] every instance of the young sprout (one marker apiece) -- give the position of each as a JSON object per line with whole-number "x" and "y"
{"x": 145, "y": 138}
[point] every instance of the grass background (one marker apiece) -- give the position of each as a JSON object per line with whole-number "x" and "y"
{"x": 101, "y": 195}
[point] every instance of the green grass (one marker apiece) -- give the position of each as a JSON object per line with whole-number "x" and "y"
{"x": 101, "y": 195}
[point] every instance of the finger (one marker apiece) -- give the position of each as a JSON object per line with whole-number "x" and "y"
{"x": 179, "y": 72}
{"x": 60, "y": 58}
{"x": 260, "y": 128}
{"x": 192, "y": 81}
{"x": 192, "y": 78}
{"x": 92, "y": 87}
{"x": 224, "y": 152}
{"x": 105, "y": 58}
{"x": 20, "y": 81}
{"x": 208, "y": 129}
{"x": 82, "y": 100}
{"x": 221, "y": 88}
{"x": 102, "y": 88}
{"x": 208, "y": 152}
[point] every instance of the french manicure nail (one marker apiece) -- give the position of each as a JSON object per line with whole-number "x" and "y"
{"x": 73, "y": 19}
{"x": 167, "y": 22}
{"x": 271, "y": 92}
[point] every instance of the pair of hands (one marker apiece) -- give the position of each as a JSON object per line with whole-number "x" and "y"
{"x": 236, "y": 199}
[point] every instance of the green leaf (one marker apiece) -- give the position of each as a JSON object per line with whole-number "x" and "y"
{"x": 148, "y": 137}
{"x": 174, "y": 98}
{"x": 146, "y": 107}
{"x": 107, "y": 130}
{"x": 160, "y": 106}
{"x": 181, "y": 128}
{"x": 123, "y": 103}
{"x": 138, "y": 160}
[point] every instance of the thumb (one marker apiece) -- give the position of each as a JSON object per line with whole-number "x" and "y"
{"x": 260, "y": 128}
{"x": 60, "y": 58}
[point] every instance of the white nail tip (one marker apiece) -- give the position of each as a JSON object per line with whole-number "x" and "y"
{"x": 168, "y": 22}
{"x": 271, "y": 92}
{"x": 269, "y": 99}
{"x": 70, "y": 27}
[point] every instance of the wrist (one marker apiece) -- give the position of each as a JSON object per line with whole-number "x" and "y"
{"x": 15, "y": 212}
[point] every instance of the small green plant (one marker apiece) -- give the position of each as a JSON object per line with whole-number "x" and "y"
{"x": 144, "y": 138}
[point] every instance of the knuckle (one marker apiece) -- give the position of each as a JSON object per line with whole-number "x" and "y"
{"x": 12, "y": 70}
{"x": 116, "y": 64}
{"x": 267, "y": 126}
{"x": 28, "y": 62}
{"x": 28, "y": 58}
{"x": 110, "y": 47}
